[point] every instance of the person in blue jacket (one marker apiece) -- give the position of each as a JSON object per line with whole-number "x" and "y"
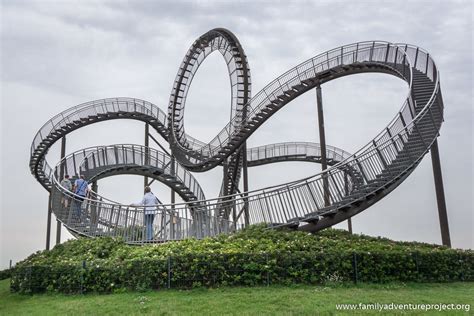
{"x": 80, "y": 189}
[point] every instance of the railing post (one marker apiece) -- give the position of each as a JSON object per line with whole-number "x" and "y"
{"x": 427, "y": 61}
{"x": 404, "y": 59}
{"x": 438, "y": 178}
{"x": 82, "y": 275}
{"x": 416, "y": 57}
{"x": 356, "y": 52}
{"x": 417, "y": 265}
{"x": 322, "y": 141}
{"x": 379, "y": 153}
{"x": 169, "y": 273}
{"x": 372, "y": 51}
{"x": 354, "y": 265}
{"x": 386, "y": 53}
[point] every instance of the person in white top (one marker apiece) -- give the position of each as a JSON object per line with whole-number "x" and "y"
{"x": 149, "y": 201}
{"x": 66, "y": 184}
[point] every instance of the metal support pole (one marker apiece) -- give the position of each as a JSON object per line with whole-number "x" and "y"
{"x": 61, "y": 176}
{"x": 246, "y": 97}
{"x": 172, "y": 167}
{"x": 225, "y": 171}
{"x": 147, "y": 151}
{"x": 346, "y": 193}
{"x": 226, "y": 192}
{"x": 234, "y": 215}
{"x": 322, "y": 141}
{"x": 63, "y": 154}
{"x": 246, "y": 184}
{"x": 438, "y": 179}
{"x": 349, "y": 225}
{"x": 58, "y": 232}
{"x": 95, "y": 188}
{"x": 48, "y": 224}
{"x": 173, "y": 218}
{"x": 173, "y": 173}
{"x": 159, "y": 145}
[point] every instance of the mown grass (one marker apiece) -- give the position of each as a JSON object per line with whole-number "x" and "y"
{"x": 273, "y": 300}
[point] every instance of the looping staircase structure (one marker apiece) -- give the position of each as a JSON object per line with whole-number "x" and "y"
{"x": 353, "y": 182}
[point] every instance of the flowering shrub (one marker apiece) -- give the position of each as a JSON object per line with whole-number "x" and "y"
{"x": 254, "y": 256}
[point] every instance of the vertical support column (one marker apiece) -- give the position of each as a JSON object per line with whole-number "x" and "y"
{"x": 95, "y": 187}
{"x": 246, "y": 97}
{"x": 225, "y": 174}
{"x": 234, "y": 216}
{"x": 58, "y": 232}
{"x": 438, "y": 179}
{"x": 61, "y": 176}
{"x": 228, "y": 205}
{"x": 346, "y": 192}
{"x": 147, "y": 151}
{"x": 94, "y": 217}
{"x": 173, "y": 173}
{"x": 246, "y": 184}
{"x": 173, "y": 219}
{"x": 322, "y": 141}
{"x": 63, "y": 154}
{"x": 48, "y": 224}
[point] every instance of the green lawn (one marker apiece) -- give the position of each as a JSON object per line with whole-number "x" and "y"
{"x": 274, "y": 300}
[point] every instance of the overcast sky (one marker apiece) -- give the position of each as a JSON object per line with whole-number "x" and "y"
{"x": 57, "y": 54}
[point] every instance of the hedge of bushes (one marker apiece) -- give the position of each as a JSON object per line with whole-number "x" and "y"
{"x": 5, "y": 274}
{"x": 255, "y": 256}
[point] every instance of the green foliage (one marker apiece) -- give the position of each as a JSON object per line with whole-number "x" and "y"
{"x": 5, "y": 274}
{"x": 254, "y": 256}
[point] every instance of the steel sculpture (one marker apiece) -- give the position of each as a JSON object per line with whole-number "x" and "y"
{"x": 352, "y": 183}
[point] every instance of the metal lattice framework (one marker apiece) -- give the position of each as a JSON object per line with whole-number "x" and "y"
{"x": 353, "y": 183}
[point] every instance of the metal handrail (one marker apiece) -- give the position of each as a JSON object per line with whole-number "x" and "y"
{"x": 81, "y": 156}
{"x": 303, "y": 148}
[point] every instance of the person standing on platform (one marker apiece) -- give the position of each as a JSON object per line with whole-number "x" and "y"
{"x": 80, "y": 189}
{"x": 66, "y": 184}
{"x": 149, "y": 201}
